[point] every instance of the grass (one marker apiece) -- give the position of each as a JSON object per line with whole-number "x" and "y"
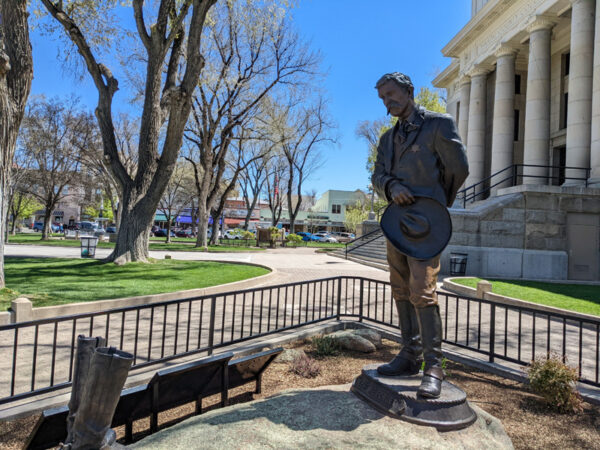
{"x": 56, "y": 281}
{"x": 158, "y": 244}
{"x": 179, "y": 244}
{"x": 573, "y": 297}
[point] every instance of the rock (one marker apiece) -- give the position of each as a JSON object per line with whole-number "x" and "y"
{"x": 371, "y": 335}
{"x": 289, "y": 355}
{"x": 351, "y": 341}
{"x": 325, "y": 417}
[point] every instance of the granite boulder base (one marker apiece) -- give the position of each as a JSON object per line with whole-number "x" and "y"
{"x": 397, "y": 397}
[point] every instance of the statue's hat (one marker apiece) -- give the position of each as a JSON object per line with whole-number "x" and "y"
{"x": 421, "y": 230}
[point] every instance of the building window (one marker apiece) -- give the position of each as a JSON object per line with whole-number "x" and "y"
{"x": 565, "y": 110}
{"x": 516, "y": 131}
{"x": 517, "y": 84}
{"x": 567, "y": 63}
{"x": 336, "y": 209}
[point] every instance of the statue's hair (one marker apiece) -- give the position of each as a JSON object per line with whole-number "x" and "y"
{"x": 400, "y": 79}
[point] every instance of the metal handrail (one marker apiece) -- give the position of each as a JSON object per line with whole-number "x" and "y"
{"x": 469, "y": 194}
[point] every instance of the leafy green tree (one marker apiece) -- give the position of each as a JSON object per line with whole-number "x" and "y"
{"x": 22, "y": 206}
{"x": 431, "y": 100}
{"x": 355, "y": 214}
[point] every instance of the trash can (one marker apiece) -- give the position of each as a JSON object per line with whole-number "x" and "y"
{"x": 458, "y": 263}
{"x": 88, "y": 246}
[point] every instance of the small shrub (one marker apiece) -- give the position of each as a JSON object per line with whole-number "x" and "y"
{"x": 294, "y": 239}
{"x": 305, "y": 366}
{"x": 248, "y": 235}
{"x": 325, "y": 346}
{"x": 556, "y": 383}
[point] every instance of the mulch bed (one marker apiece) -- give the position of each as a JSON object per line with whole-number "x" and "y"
{"x": 526, "y": 418}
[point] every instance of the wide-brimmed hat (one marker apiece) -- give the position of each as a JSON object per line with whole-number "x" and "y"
{"x": 420, "y": 230}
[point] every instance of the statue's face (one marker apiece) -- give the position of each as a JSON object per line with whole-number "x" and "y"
{"x": 396, "y": 99}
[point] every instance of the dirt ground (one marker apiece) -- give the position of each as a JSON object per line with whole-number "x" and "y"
{"x": 525, "y": 417}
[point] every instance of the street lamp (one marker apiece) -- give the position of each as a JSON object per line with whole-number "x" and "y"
{"x": 372, "y": 212}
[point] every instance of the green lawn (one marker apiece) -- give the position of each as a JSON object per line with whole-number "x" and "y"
{"x": 179, "y": 244}
{"x": 54, "y": 281}
{"x": 574, "y": 297}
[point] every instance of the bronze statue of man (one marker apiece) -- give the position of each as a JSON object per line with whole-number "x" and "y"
{"x": 421, "y": 157}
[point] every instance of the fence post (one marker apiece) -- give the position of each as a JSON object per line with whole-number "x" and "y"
{"x": 339, "y": 298}
{"x": 211, "y": 329}
{"x": 492, "y": 331}
{"x": 360, "y": 305}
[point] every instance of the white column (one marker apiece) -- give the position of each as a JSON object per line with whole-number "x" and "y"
{"x": 595, "y": 145}
{"x": 537, "y": 103}
{"x": 579, "y": 110}
{"x": 504, "y": 112}
{"x": 463, "y": 112}
{"x": 476, "y": 128}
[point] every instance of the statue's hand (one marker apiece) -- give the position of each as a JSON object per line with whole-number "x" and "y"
{"x": 400, "y": 194}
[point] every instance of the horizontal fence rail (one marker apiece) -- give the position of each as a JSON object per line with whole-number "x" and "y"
{"x": 37, "y": 357}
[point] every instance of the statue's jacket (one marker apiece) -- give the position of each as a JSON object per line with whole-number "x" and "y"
{"x": 431, "y": 161}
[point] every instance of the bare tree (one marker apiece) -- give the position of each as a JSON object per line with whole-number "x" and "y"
{"x": 245, "y": 151}
{"x": 370, "y": 131}
{"x": 251, "y": 182}
{"x": 250, "y": 53}
{"x": 126, "y": 131}
{"x": 53, "y": 135}
{"x": 171, "y": 42}
{"x": 177, "y": 196}
{"x": 16, "y": 73}
{"x": 275, "y": 182}
{"x": 301, "y": 130}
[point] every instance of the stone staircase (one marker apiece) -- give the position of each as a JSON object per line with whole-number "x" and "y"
{"x": 369, "y": 249}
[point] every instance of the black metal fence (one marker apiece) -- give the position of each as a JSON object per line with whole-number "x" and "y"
{"x": 37, "y": 357}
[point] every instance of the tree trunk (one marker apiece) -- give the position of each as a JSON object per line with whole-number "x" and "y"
{"x": 134, "y": 232}
{"x": 201, "y": 240}
{"x": 168, "y": 240}
{"x": 214, "y": 239}
{"x": 46, "y": 229}
{"x": 16, "y": 73}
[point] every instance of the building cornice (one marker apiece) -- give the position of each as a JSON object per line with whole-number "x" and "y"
{"x": 448, "y": 75}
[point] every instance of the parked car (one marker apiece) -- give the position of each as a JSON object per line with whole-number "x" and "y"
{"x": 343, "y": 236}
{"x": 328, "y": 238}
{"x": 162, "y": 232}
{"x": 89, "y": 227}
{"x": 154, "y": 229}
{"x": 232, "y": 234}
{"x": 111, "y": 230}
{"x": 307, "y": 236}
{"x": 39, "y": 226}
{"x": 185, "y": 233}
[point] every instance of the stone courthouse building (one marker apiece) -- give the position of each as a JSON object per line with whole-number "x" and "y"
{"x": 524, "y": 88}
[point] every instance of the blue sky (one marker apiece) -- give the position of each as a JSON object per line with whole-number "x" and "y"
{"x": 360, "y": 41}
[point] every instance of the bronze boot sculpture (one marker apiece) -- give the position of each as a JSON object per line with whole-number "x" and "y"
{"x": 108, "y": 372}
{"x": 408, "y": 361}
{"x": 83, "y": 355}
{"x": 431, "y": 334}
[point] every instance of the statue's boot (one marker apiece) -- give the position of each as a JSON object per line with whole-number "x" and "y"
{"x": 430, "y": 324}
{"x": 83, "y": 356}
{"x": 107, "y": 375}
{"x": 408, "y": 361}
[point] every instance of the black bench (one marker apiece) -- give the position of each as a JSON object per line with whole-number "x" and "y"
{"x": 168, "y": 388}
